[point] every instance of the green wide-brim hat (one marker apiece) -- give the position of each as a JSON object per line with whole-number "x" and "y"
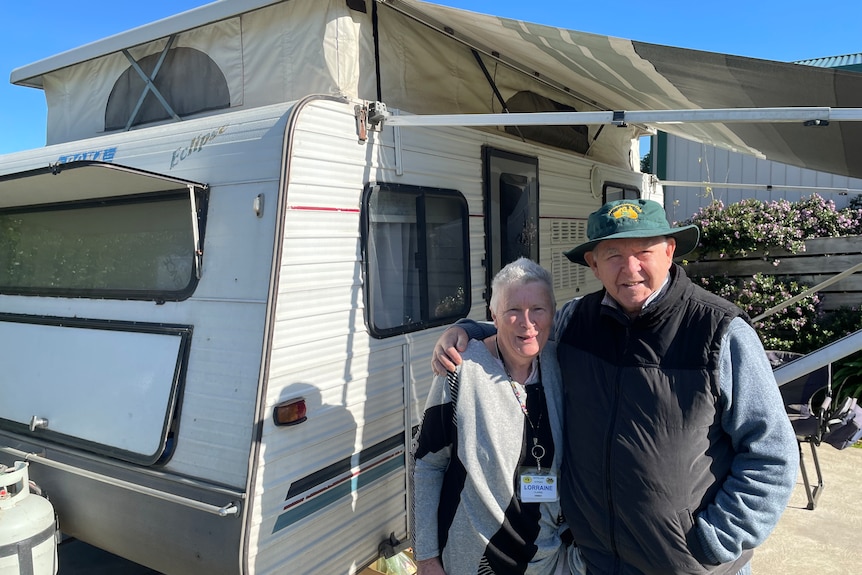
{"x": 632, "y": 219}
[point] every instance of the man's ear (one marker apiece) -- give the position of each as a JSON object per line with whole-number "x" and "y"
{"x": 671, "y": 246}
{"x": 591, "y": 261}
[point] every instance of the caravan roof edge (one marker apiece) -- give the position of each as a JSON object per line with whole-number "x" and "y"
{"x": 31, "y": 74}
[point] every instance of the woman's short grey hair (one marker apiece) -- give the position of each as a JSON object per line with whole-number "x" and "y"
{"x": 519, "y": 272}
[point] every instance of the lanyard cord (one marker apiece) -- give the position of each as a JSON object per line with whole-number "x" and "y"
{"x": 537, "y": 451}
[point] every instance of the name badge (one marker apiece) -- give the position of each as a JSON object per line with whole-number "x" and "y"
{"x": 537, "y": 486}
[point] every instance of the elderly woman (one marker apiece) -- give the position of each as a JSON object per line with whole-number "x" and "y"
{"x": 487, "y": 456}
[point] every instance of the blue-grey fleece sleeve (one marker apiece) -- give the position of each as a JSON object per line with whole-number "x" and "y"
{"x": 754, "y": 495}
{"x": 476, "y": 329}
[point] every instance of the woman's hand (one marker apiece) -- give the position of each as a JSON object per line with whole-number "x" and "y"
{"x": 447, "y": 350}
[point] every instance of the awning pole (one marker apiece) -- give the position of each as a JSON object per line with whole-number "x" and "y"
{"x": 812, "y": 116}
{"x": 809, "y": 291}
{"x": 764, "y": 187}
{"x": 827, "y": 354}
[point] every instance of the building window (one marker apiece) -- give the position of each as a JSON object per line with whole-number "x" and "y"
{"x": 140, "y": 247}
{"x": 416, "y": 252}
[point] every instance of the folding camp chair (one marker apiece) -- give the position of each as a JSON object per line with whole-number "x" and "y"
{"x": 807, "y": 400}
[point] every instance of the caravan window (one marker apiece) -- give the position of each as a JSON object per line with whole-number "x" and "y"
{"x": 612, "y": 191}
{"x": 417, "y": 271}
{"x": 138, "y": 247}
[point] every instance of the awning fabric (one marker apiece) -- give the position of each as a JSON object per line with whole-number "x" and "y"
{"x": 609, "y": 73}
{"x": 421, "y": 58}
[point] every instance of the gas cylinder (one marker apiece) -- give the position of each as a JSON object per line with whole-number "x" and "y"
{"x": 28, "y": 527}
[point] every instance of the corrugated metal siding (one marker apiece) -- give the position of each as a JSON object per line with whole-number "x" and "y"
{"x": 843, "y": 61}
{"x": 695, "y": 162}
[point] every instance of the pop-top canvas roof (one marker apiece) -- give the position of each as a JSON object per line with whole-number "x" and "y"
{"x": 430, "y": 59}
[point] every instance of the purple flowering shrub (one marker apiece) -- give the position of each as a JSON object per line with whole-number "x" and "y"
{"x": 787, "y": 330}
{"x": 752, "y": 225}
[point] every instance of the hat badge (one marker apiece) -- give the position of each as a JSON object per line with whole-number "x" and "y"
{"x": 629, "y": 211}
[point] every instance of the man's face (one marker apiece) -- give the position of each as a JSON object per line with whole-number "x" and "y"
{"x": 632, "y": 269}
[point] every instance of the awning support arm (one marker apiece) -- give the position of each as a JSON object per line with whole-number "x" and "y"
{"x": 493, "y": 85}
{"x": 830, "y": 353}
{"x": 764, "y": 187}
{"x": 490, "y": 80}
{"x": 196, "y": 233}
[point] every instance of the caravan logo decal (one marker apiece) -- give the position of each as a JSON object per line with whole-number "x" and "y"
{"x": 196, "y": 145}
{"x": 106, "y": 155}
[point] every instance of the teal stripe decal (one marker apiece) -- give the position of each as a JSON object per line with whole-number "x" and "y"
{"x": 337, "y": 491}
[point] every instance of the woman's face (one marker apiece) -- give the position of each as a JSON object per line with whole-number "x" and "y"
{"x": 524, "y": 315}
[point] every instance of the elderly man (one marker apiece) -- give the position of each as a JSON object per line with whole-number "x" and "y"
{"x": 678, "y": 455}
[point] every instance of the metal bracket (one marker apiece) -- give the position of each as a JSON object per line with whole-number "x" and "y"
{"x": 816, "y": 123}
{"x": 377, "y": 113}
{"x": 619, "y": 119}
{"x": 392, "y": 546}
{"x": 196, "y": 234}
{"x": 37, "y": 422}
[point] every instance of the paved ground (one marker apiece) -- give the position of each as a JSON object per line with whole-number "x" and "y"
{"x": 824, "y": 541}
{"x": 820, "y": 542}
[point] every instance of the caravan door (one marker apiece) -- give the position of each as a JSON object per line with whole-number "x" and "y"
{"x": 511, "y": 197}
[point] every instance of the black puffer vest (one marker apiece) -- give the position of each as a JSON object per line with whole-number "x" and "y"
{"x": 645, "y": 448}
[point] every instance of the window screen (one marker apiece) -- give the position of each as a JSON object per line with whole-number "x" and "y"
{"x": 188, "y": 80}
{"x": 417, "y": 258}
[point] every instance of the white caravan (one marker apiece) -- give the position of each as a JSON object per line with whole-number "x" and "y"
{"x": 168, "y": 288}
{"x": 221, "y": 280}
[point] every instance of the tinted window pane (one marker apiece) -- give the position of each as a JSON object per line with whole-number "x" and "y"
{"x": 446, "y": 252}
{"x": 104, "y": 248}
{"x": 417, "y": 258}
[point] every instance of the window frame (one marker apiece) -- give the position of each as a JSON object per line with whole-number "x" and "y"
{"x": 425, "y": 321}
{"x": 623, "y": 188}
{"x": 496, "y": 160}
{"x": 197, "y": 202}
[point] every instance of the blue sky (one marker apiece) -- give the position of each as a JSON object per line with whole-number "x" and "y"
{"x": 784, "y": 30}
